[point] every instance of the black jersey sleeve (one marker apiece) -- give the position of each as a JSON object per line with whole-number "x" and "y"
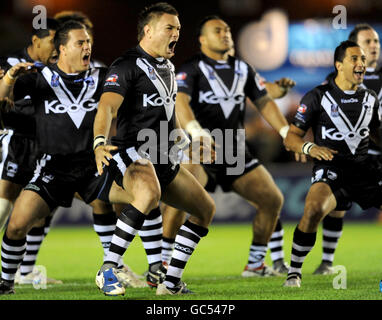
{"x": 119, "y": 78}
{"x": 25, "y": 86}
{"x": 307, "y": 111}
{"x": 255, "y": 85}
{"x": 186, "y": 78}
{"x": 24, "y": 93}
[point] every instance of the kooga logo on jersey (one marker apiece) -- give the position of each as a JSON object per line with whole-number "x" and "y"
{"x": 362, "y": 132}
{"x": 210, "y": 98}
{"x": 56, "y": 107}
{"x": 157, "y": 101}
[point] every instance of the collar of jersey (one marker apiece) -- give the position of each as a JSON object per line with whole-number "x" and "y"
{"x": 66, "y": 75}
{"x": 150, "y": 58}
{"x": 213, "y": 62}
{"x": 346, "y": 92}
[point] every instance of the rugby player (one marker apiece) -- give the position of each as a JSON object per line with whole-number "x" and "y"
{"x": 367, "y": 38}
{"x": 343, "y": 117}
{"x": 64, "y": 97}
{"x": 135, "y": 280}
{"x": 213, "y": 87}
{"x": 19, "y": 147}
{"x": 141, "y": 89}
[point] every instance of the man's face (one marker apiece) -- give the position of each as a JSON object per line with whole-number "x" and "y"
{"x": 45, "y": 48}
{"x": 216, "y": 36}
{"x": 164, "y": 34}
{"x": 77, "y": 50}
{"x": 353, "y": 66}
{"x": 368, "y": 40}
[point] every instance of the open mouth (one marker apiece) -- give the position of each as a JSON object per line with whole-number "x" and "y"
{"x": 86, "y": 59}
{"x": 171, "y": 46}
{"x": 358, "y": 74}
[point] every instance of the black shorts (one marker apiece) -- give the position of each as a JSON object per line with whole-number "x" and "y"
{"x": 18, "y": 157}
{"x": 359, "y": 182}
{"x": 219, "y": 174}
{"x": 58, "y": 178}
{"x": 121, "y": 160}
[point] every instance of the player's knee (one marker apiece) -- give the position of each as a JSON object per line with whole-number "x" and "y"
{"x": 99, "y": 206}
{"x": 314, "y": 211}
{"x": 153, "y": 197}
{"x": 148, "y": 193}
{"x": 210, "y": 209}
{"x": 273, "y": 203}
{"x": 16, "y": 230}
{"x": 278, "y": 201}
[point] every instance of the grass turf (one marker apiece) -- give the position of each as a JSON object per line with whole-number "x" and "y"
{"x": 74, "y": 255}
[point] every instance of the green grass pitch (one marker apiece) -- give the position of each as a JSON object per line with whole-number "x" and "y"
{"x": 74, "y": 255}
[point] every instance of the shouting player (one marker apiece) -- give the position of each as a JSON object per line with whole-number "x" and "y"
{"x": 367, "y": 38}
{"x": 343, "y": 117}
{"x": 141, "y": 89}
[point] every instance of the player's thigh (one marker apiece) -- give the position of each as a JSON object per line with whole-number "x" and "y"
{"x": 140, "y": 178}
{"x": 197, "y": 171}
{"x": 258, "y": 187}
{"x": 29, "y": 209}
{"x": 120, "y": 196}
{"x": 9, "y": 190}
{"x": 187, "y": 194}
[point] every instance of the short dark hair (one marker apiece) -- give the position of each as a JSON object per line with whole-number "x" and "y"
{"x": 78, "y": 16}
{"x": 153, "y": 11}
{"x": 204, "y": 21}
{"x": 51, "y": 24}
{"x": 353, "y": 36}
{"x": 340, "y": 52}
{"x": 62, "y": 34}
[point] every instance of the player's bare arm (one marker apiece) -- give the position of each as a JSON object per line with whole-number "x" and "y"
{"x": 294, "y": 142}
{"x": 271, "y": 113}
{"x": 9, "y": 79}
{"x": 107, "y": 109}
{"x": 279, "y": 88}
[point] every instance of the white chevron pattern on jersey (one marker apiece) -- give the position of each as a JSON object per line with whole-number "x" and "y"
{"x": 66, "y": 97}
{"x": 344, "y": 125}
{"x": 225, "y": 95}
{"x": 165, "y": 93}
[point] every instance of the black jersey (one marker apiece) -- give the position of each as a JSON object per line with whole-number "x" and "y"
{"x": 22, "y": 122}
{"x": 218, "y": 90}
{"x": 339, "y": 120}
{"x": 65, "y": 107}
{"x": 372, "y": 80}
{"x": 149, "y": 89}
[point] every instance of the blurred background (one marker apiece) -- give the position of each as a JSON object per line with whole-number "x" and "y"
{"x": 294, "y": 39}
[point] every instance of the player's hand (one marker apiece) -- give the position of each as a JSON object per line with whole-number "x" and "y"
{"x": 21, "y": 68}
{"x": 322, "y": 153}
{"x": 202, "y": 150}
{"x": 285, "y": 83}
{"x": 2, "y": 73}
{"x": 103, "y": 155}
